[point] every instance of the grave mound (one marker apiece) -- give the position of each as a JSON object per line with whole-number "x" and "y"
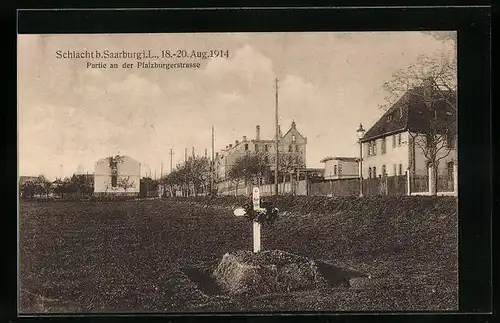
{"x": 270, "y": 271}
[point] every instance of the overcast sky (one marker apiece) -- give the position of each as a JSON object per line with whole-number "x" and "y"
{"x": 70, "y": 115}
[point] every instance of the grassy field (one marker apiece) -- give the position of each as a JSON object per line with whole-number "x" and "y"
{"x": 128, "y": 256}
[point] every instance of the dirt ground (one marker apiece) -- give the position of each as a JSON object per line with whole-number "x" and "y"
{"x": 134, "y": 256}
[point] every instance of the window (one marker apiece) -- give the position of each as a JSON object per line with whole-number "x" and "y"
{"x": 450, "y": 170}
{"x": 246, "y": 147}
{"x": 114, "y": 180}
{"x": 400, "y": 169}
{"x": 450, "y": 142}
{"x": 369, "y": 172}
{"x": 374, "y": 143}
{"x": 374, "y": 171}
{"x": 290, "y": 148}
{"x": 256, "y": 148}
{"x": 383, "y": 170}
{"x": 382, "y": 148}
{"x": 335, "y": 170}
{"x": 266, "y": 148}
{"x": 395, "y": 170}
{"x": 296, "y": 148}
{"x": 399, "y": 139}
{"x": 393, "y": 141}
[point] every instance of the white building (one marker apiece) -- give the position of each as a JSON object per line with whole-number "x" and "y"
{"x": 117, "y": 175}
{"x": 341, "y": 167}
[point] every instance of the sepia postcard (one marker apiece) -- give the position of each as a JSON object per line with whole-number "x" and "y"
{"x": 238, "y": 172}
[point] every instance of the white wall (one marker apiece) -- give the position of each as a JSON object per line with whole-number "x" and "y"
{"x": 393, "y": 156}
{"x": 421, "y": 161}
{"x": 127, "y": 168}
{"x": 401, "y": 155}
{"x": 345, "y": 169}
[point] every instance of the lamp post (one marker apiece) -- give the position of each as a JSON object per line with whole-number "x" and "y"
{"x": 361, "y": 133}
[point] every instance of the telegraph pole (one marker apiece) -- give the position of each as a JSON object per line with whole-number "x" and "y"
{"x": 276, "y": 144}
{"x": 171, "y": 154}
{"x": 185, "y": 155}
{"x": 212, "y": 164}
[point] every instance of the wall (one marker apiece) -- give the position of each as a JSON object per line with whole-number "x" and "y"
{"x": 126, "y": 168}
{"x": 345, "y": 169}
{"x": 393, "y": 156}
{"x": 421, "y": 161}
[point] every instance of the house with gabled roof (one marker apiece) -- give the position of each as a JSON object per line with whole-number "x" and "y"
{"x": 341, "y": 167}
{"x": 399, "y": 141}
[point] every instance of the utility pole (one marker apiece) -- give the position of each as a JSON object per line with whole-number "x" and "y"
{"x": 171, "y": 155}
{"x": 212, "y": 164}
{"x": 161, "y": 170}
{"x": 276, "y": 144}
{"x": 185, "y": 155}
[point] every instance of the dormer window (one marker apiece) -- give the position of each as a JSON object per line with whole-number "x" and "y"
{"x": 389, "y": 117}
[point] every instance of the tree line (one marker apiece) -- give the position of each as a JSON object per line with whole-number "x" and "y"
{"x": 78, "y": 184}
{"x": 194, "y": 177}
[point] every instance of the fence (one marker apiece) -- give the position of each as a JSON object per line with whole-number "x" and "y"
{"x": 419, "y": 183}
{"x": 384, "y": 185}
{"x": 445, "y": 183}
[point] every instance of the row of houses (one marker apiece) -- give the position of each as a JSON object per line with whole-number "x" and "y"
{"x": 410, "y": 140}
{"x": 397, "y": 144}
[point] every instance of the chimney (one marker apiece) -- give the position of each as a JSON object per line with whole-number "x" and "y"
{"x": 244, "y": 138}
{"x": 230, "y": 145}
{"x": 257, "y": 133}
{"x": 236, "y": 142}
{"x": 293, "y": 124}
{"x": 227, "y": 147}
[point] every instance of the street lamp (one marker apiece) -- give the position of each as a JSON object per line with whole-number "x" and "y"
{"x": 361, "y": 133}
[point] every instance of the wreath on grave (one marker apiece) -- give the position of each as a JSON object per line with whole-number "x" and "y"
{"x": 267, "y": 214}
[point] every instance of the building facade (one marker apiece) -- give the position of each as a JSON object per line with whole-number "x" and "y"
{"x": 341, "y": 167}
{"x": 117, "y": 175}
{"x": 292, "y": 149}
{"x": 401, "y": 139}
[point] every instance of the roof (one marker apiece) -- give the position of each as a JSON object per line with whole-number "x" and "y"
{"x": 410, "y": 113}
{"x": 123, "y": 157}
{"x": 24, "y": 179}
{"x": 351, "y": 159}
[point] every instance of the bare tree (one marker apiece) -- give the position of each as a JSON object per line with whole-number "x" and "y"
{"x": 288, "y": 164}
{"x": 247, "y": 168}
{"x": 440, "y": 73}
{"x": 125, "y": 183}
